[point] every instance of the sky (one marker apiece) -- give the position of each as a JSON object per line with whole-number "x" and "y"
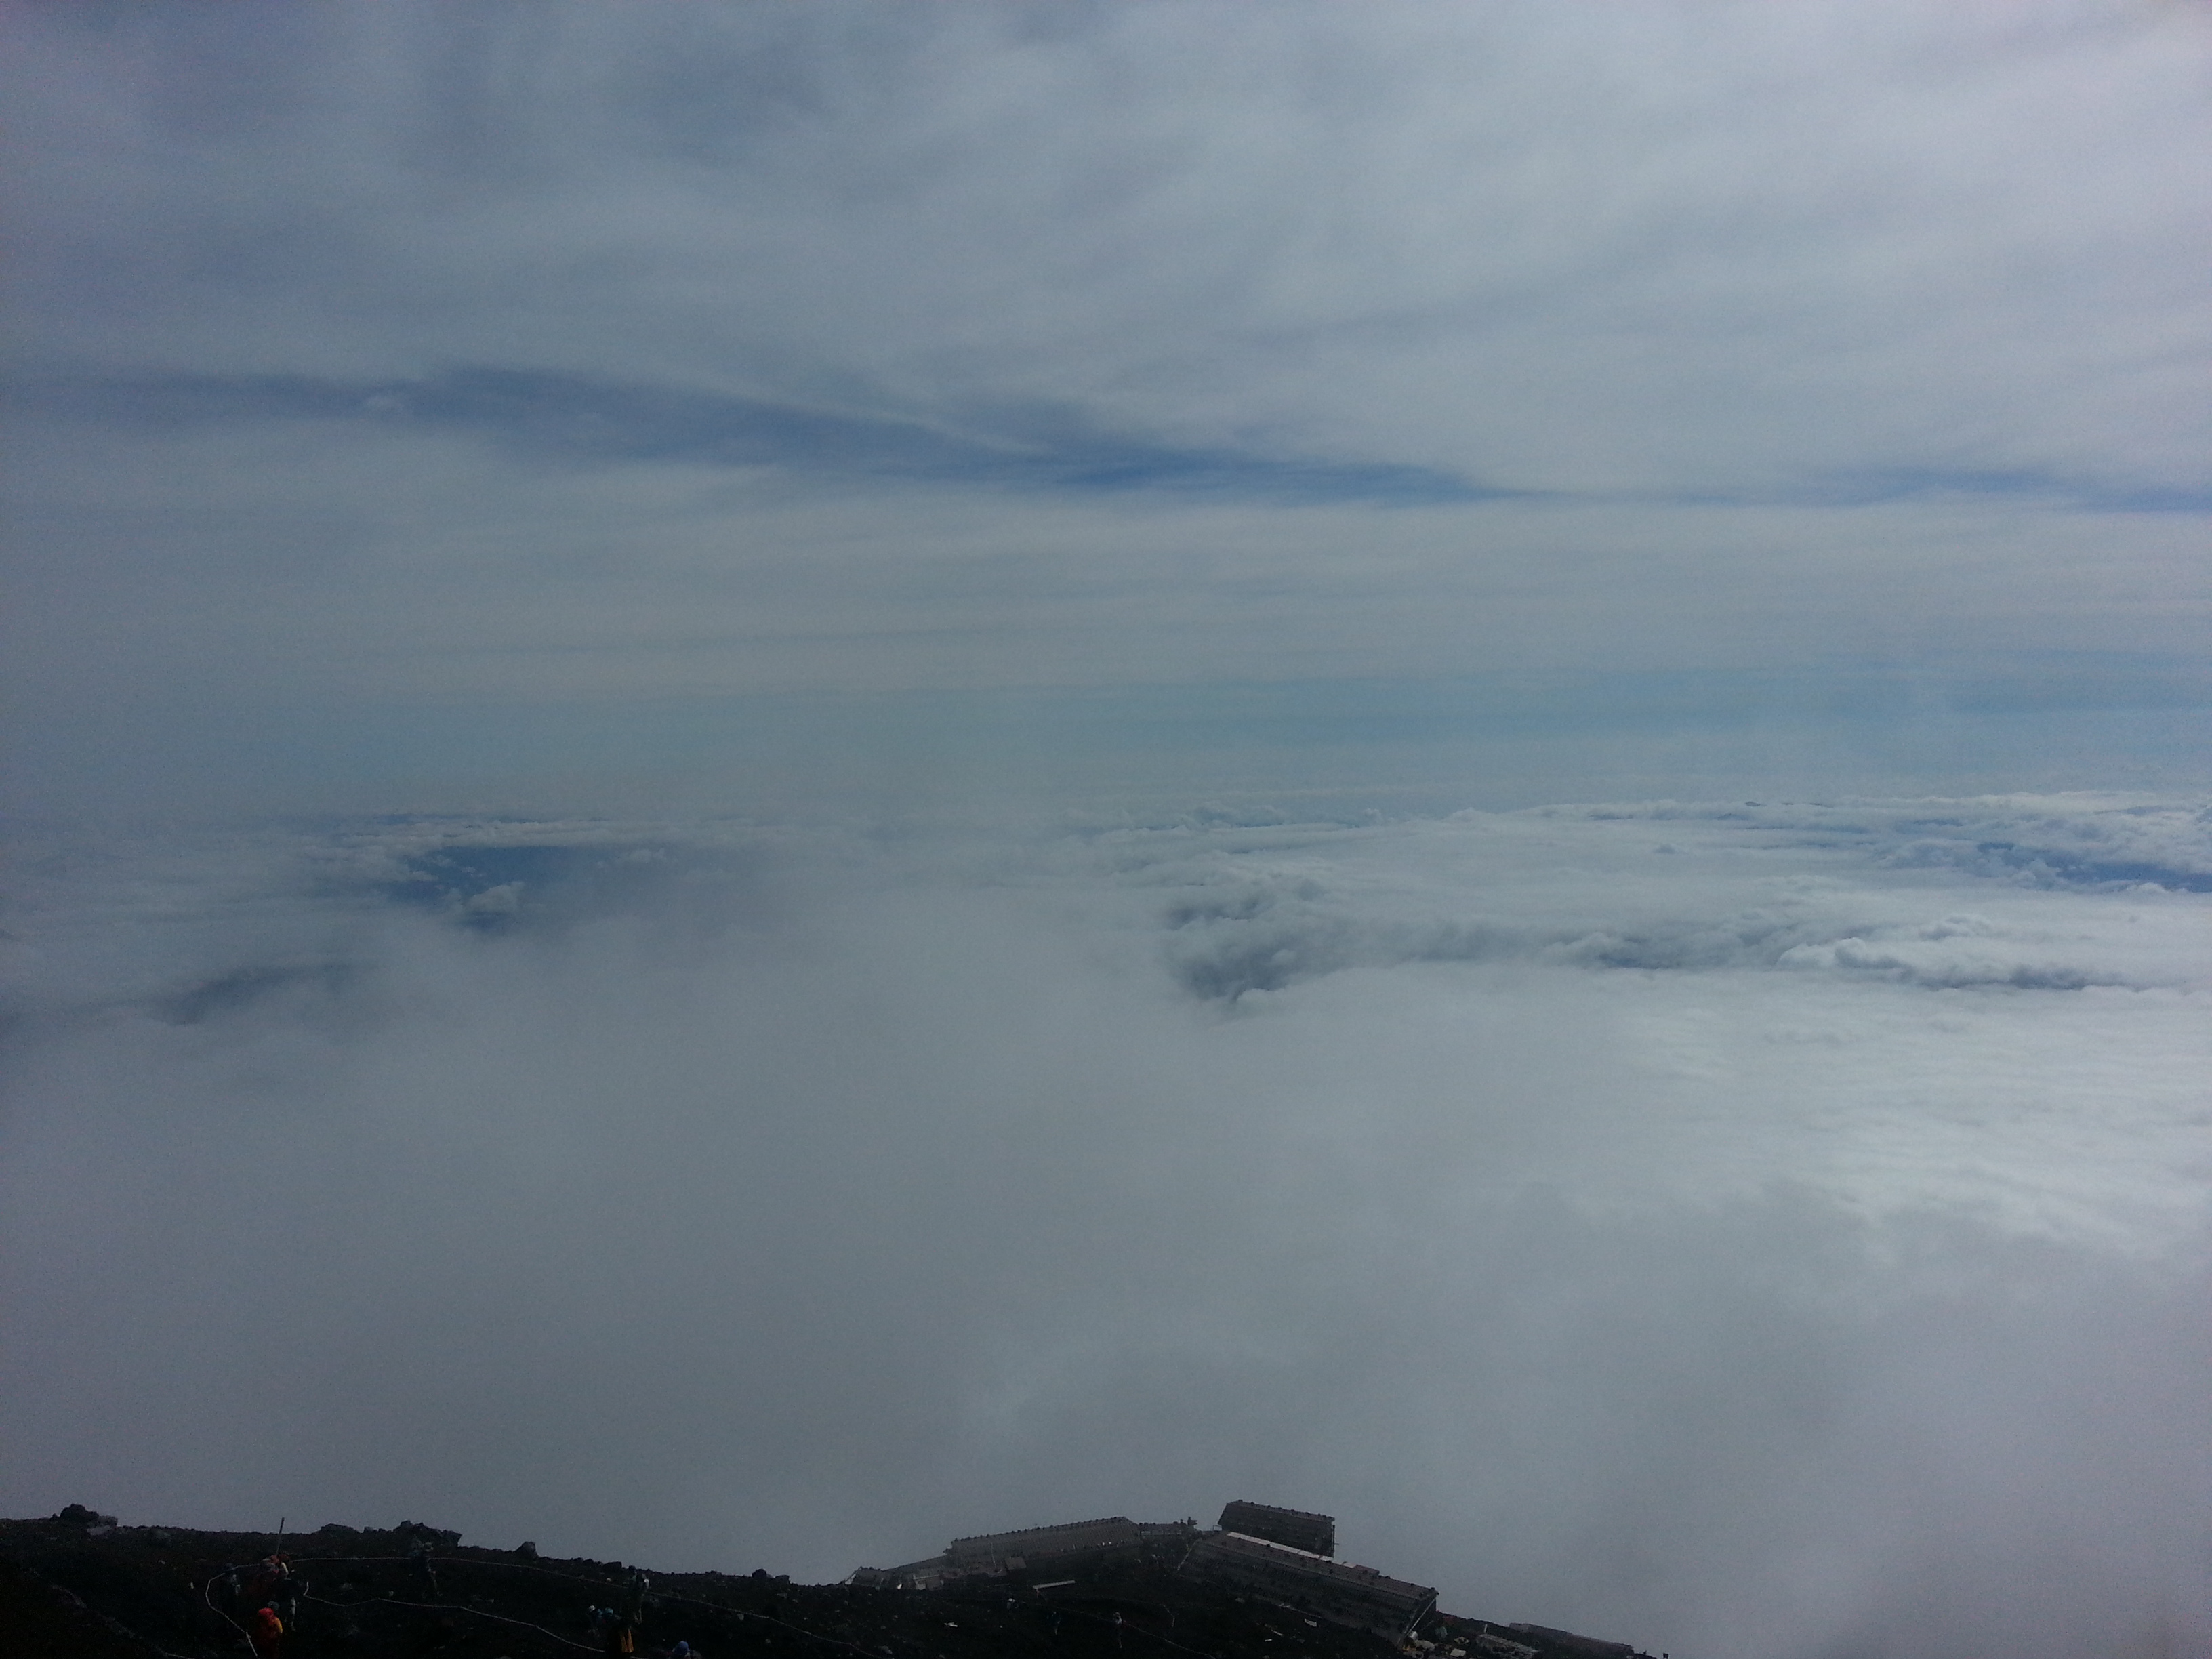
{"x": 440, "y": 402}
{"x": 786, "y": 778}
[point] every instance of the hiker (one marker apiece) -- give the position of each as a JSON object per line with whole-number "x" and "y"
{"x": 426, "y": 1575}
{"x": 633, "y": 1610}
{"x": 276, "y": 1587}
{"x": 616, "y": 1636}
{"x": 267, "y": 1634}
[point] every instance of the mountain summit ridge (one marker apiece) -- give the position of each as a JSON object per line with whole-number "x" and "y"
{"x": 77, "y": 1585}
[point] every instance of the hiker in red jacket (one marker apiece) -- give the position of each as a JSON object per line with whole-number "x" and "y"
{"x": 268, "y": 1634}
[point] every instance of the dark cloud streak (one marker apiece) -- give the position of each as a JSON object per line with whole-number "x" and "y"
{"x": 570, "y": 416}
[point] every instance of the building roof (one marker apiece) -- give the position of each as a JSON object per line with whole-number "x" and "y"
{"x": 1104, "y": 1533}
{"x": 1299, "y": 1528}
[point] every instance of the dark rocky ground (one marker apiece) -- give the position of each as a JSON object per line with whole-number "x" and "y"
{"x": 74, "y": 1588}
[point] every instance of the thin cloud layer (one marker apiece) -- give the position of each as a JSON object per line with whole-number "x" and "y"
{"x": 1168, "y": 213}
{"x": 395, "y": 374}
{"x": 1558, "y": 248}
{"x": 1272, "y": 908}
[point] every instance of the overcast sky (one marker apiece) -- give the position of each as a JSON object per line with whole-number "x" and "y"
{"x": 425, "y": 394}
{"x": 790, "y": 777}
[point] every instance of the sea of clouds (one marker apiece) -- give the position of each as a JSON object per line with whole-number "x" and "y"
{"x": 1748, "y": 1229}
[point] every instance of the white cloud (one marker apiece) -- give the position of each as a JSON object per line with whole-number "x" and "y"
{"x": 393, "y": 366}
{"x": 739, "y": 1194}
{"x": 1570, "y": 248}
